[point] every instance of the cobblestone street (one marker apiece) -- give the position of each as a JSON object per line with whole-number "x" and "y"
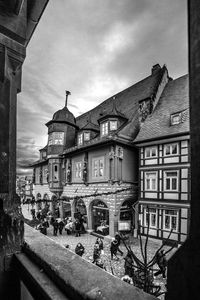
{"x": 115, "y": 266}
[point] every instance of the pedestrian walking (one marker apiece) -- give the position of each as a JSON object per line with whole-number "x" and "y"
{"x": 61, "y": 226}
{"x": 114, "y": 248}
{"x": 162, "y": 263}
{"x": 45, "y": 225}
{"x": 118, "y": 237}
{"x": 79, "y": 250}
{"x": 33, "y": 213}
{"x": 128, "y": 264}
{"x": 55, "y": 228}
{"x": 100, "y": 243}
{"x": 96, "y": 253}
{"x": 77, "y": 226}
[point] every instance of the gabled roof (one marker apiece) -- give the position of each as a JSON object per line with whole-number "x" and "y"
{"x": 174, "y": 99}
{"x": 90, "y": 126}
{"x": 126, "y": 102}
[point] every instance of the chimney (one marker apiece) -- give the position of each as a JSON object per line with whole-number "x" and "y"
{"x": 155, "y": 69}
{"x": 67, "y": 94}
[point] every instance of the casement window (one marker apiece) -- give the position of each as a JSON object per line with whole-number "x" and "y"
{"x": 170, "y": 220}
{"x": 86, "y": 136}
{"x": 78, "y": 169}
{"x": 104, "y": 128}
{"x": 171, "y": 149}
{"x": 80, "y": 139}
{"x": 113, "y": 125}
{"x": 150, "y": 152}
{"x": 151, "y": 217}
{"x": 171, "y": 181}
{"x": 56, "y": 138}
{"x": 151, "y": 181}
{"x": 98, "y": 167}
{"x": 176, "y": 118}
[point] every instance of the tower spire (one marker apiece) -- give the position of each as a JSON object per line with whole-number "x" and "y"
{"x": 67, "y": 94}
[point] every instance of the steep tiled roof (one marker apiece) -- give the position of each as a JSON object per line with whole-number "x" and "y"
{"x": 174, "y": 99}
{"x": 126, "y": 102}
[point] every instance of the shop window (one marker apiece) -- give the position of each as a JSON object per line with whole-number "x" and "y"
{"x": 171, "y": 180}
{"x": 113, "y": 125}
{"x": 170, "y": 220}
{"x": 104, "y": 128}
{"x": 86, "y": 136}
{"x": 171, "y": 149}
{"x": 80, "y": 139}
{"x": 151, "y": 217}
{"x": 78, "y": 169}
{"x": 98, "y": 167}
{"x": 150, "y": 152}
{"x": 151, "y": 181}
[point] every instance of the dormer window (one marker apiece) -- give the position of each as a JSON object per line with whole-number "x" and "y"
{"x": 86, "y": 136}
{"x": 104, "y": 129}
{"x": 113, "y": 125}
{"x": 176, "y": 119}
{"x": 80, "y": 139}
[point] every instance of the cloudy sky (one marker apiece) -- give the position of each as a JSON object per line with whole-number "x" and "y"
{"x": 93, "y": 48}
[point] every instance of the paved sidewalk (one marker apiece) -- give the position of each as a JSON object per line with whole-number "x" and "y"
{"x": 115, "y": 267}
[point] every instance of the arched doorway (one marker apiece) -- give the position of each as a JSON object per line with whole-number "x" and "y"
{"x": 126, "y": 216}
{"x": 100, "y": 217}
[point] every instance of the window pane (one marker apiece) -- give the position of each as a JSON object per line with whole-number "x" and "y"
{"x": 167, "y": 149}
{"x": 153, "y": 220}
{"x": 153, "y": 152}
{"x": 174, "y": 148}
{"x": 153, "y": 184}
{"x": 174, "y": 223}
{"x": 174, "y": 183}
{"x": 167, "y": 222}
{"x": 113, "y": 125}
{"x": 167, "y": 184}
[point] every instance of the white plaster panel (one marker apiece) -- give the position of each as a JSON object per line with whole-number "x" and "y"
{"x": 183, "y": 226}
{"x": 184, "y": 212}
{"x": 184, "y": 158}
{"x": 150, "y": 162}
{"x": 184, "y": 197}
{"x": 184, "y": 173}
{"x": 184, "y": 186}
{"x": 173, "y": 196}
{"x": 170, "y": 160}
{"x": 151, "y": 195}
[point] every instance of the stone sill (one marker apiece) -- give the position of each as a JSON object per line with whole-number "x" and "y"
{"x": 62, "y": 272}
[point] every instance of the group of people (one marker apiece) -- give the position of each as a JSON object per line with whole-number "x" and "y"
{"x": 97, "y": 251}
{"x": 46, "y": 218}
